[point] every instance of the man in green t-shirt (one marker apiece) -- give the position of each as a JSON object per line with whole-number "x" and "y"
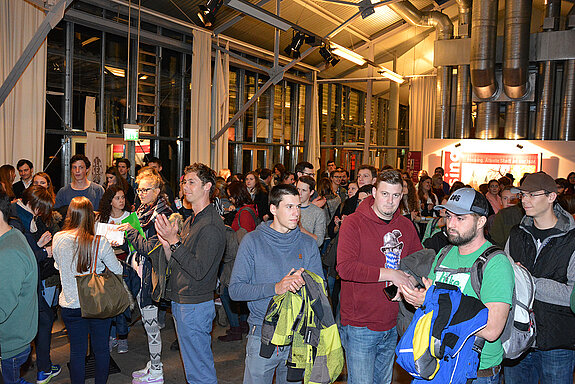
{"x": 466, "y": 215}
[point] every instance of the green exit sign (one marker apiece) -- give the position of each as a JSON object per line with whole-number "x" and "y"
{"x": 131, "y": 132}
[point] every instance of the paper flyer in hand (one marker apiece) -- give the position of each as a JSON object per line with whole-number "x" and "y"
{"x": 110, "y": 232}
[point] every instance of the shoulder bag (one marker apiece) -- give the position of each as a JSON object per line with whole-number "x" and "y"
{"x": 101, "y": 295}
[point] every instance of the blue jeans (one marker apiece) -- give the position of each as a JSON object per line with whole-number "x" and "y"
{"x": 78, "y": 330}
{"x": 11, "y": 366}
{"x": 368, "y": 354}
{"x": 120, "y": 325}
{"x": 234, "y": 310}
{"x": 259, "y": 370}
{"x": 193, "y": 325}
{"x": 547, "y": 367}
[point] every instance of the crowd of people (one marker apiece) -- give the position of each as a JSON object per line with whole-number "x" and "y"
{"x": 247, "y": 238}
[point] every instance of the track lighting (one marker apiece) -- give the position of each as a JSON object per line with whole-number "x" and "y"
{"x": 328, "y": 57}
{"x": 207, "y": 13}
{"x": 298, "y": 39}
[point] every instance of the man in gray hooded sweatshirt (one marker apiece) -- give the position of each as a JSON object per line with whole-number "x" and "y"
{"x": 270, "y": 261}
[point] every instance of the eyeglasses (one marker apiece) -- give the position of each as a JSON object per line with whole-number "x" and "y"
{"x": 523, "y": 195}
{"x": 144, "y": 190}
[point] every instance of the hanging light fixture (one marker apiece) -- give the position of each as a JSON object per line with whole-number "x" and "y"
{"x": 328, "y": 57}
{"x": 207, "y": 13}
{"x": 347, "y": 54}
{"x": 293, "y": 50}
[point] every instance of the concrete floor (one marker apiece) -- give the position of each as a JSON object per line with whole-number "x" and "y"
{"x": 229, "y": 357}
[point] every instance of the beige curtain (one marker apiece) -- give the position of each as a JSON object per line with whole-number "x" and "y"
{"x": 220, "y": 114}
{"x": 201, "y": 98}
{"x": 313, "y": 151}
{"x": 22, "y": 114}
{"x": 421, "y": 110}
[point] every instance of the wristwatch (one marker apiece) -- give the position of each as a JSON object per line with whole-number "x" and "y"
{"x": 175, "y": 246}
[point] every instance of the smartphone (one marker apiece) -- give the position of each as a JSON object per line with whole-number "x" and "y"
{"x": 390, "y": 291}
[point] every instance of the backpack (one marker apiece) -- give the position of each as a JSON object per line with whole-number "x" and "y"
{"x": 520, "y": 330}
{"x": 255, "y": 216}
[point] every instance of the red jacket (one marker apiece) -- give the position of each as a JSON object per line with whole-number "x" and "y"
{"x": 367, "y": 243}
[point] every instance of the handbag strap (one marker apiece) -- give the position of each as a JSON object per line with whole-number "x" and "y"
{"x": 98, "y": 237}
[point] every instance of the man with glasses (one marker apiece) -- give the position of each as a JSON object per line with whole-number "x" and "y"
{"x": 336, "y": 178}
{"x": 304, "y": 169}
{"x": 544, "y": 243}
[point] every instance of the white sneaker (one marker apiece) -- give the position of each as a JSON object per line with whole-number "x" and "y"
{"x": 153, "y": 376}
{"x": 142, "y": 372}
{"x": 122, "y": 345}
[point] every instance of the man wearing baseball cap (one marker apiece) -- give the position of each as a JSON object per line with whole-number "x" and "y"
{"x": 544, "y": 242}
{"x": 466, "y": 216}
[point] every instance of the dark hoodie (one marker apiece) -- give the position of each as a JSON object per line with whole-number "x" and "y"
{"x": 265, "y": 256}
{"x": 367, "y": 243}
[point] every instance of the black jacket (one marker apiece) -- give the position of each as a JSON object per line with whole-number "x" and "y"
{"x": 193, "y": 266}
{"x": 552, "y": 265}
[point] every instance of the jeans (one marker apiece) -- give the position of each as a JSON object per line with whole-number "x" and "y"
{"x": 78, "y": 330}
{"x": 44, "y": 336}
{"x": 120, "y": 327}
{"x": 547, "y": 367}
{"x": 193, "y": 325}
{"x": 368, "y": 354}
{"x": 495, "y": 379}
{"x": 259, "y": 370}
{"x": 235, "y": 310}
{"x": 11, "y": 366}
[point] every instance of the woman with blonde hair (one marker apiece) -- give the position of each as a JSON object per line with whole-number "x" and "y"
{"x": 74, "y": 250}
{"x": 154, "y": 202}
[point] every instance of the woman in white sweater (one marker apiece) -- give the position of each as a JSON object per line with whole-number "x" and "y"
{"x": 74, "y": 251}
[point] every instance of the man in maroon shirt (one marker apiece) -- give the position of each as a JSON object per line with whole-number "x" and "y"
{"x": 371, "y": 242}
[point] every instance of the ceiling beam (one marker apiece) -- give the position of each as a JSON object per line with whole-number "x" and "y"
{"x": 392, "y": 53}
{"x": 236, "y": 19}
{"x": 311, "y": 6}
{"x": 52, "y": 18}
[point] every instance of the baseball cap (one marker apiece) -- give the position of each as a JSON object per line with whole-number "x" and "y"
{"x": 537, "y": 182}
{"x": 465, "y": 201}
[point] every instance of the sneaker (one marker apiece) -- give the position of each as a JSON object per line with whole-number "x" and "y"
{"x": 113, "y": 343}
{"x": 142, "y": 372}
{"x": 22, "y": 381}
{"x": 153, "y": 376}
{"x": 122, "y": 345}
{"x": 45, "y": 377}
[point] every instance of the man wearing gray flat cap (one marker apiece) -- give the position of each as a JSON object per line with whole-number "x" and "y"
{"x": 544, "y": 243}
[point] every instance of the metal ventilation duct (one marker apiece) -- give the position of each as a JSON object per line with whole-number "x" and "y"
{"x": 567, "y": 123}
{"x": 516, "y": 48}
{"x": 463, "y": 96}
{"x": 487, "y": 121}
{"x": 516, "y": 120}
{"x": 444, "y": 28}
{"x": 483, "y": 41}
{"x": 547, "y": 69}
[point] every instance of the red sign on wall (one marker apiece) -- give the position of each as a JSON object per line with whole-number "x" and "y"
{"x": 478, "y": 168}
{"x": 414, "y": 164}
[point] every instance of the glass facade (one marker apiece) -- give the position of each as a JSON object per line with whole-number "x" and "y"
{"x": 342, "y": 115}
{"x": 97, "y": 82}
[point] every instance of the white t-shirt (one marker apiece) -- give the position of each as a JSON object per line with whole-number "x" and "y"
{"x": 118, "y": 220}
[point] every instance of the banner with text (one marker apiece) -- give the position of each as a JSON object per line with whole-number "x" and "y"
{"x": 478, "y": 168}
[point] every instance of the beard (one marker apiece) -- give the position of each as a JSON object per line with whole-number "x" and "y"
{"x": 460, "y": 239}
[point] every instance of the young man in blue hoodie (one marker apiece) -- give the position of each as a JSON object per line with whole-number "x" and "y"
{"x": 269, "y": 262}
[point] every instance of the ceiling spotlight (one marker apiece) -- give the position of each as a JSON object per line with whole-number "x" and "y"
{"x": 207, "y": 13}
{"x": 519, "y": 146}
{"x": 297, "y": 41}
{"x": 328, "y": 57}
